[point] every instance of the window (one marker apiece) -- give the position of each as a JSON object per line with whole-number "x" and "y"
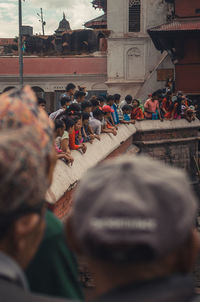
{"x": 134, "y": 15}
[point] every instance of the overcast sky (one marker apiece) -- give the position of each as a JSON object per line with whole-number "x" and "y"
{"x": 77, "y": 13}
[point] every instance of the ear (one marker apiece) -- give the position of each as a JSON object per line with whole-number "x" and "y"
{"x": 23, "y": 227}
{"x": 189, "y": 252}
{"x": 70, "y": 237}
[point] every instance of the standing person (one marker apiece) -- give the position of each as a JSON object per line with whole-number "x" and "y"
{"x": 152, "y": 109}
{"x": 117, "y": 116}
{"x": 128, "y": 101}
{"x": 70, "y": 91}
{"x": 79, "y": 97}
{"x": 133, "y": 219}
{"x": 96, "y": 122}
{"x": 65, "y": 103}
{"x": 19, "y": 110}
{"x": 137, "y": 113}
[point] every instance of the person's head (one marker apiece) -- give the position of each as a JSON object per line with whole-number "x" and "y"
{"x": 86, "y": 107}
{"x": 69, "y": 125}
{"x": 65, "y": 102}
{"x": 136, "y": 103}
{"x": 19, "y": 109}
{"x": 107, "y": 110}
{"x": 85, "y": 118}
{"x": 128, "y": 99}
{"x": 154, "y": 96}
{"x": 78, "y": 123}
{"x": 95, "y": 104}
{"x": 98, "y": 114}
{"x": 80, "y": 96}
{"x": 117, "y": 98}
{"x": 23, "y": 186}
{"x": 42, "y": 103}
{"x": 110, "y": 100}
{"x": 82, "y": 88}
{"x": 127, "y": 109}
{"x": 70, "y": 89}
{"x": 59, "y": 128}
{"x": 101, "y": 101}
{"x": 74, "y": 108}
{"x": 133, "y": 219}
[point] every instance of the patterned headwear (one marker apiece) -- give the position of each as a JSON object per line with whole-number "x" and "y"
{"x": 22, "y": 170}
{"x": 19, "y": 109}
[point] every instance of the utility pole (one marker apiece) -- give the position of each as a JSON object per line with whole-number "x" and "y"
{"x": 42, "y": 20}
{"x": 20, "y": 46}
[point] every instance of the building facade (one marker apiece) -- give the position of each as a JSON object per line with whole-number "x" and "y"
{"x": 133, "y": 60}
{"x": 181, "y": 39}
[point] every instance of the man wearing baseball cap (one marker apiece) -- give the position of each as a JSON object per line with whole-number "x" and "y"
{"x": 134, "y": 221}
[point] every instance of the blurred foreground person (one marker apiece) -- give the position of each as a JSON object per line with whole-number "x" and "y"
{"x": 22, "y": 209}
{"x": 134, "y": 221}
{"x": 53, "y": 270}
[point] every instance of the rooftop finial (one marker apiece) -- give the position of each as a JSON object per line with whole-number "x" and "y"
{"x": 64, "y": 17}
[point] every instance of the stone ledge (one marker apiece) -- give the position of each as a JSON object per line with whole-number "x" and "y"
{"x": 65, "y": 177}
{"x": 149, "y": 125}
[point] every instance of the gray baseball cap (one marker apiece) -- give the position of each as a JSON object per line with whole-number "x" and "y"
{"x": 133, "y": 209}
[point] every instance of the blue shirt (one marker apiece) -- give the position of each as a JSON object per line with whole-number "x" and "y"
{"x": 115, "y": 114}
{"x": 127, "y": 117}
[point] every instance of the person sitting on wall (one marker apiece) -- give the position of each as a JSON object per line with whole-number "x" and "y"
{"x": 187, "y": 112}
{"x": 138, "y": 245}
{"x": 152, "y": 108}
{"x": 75, "y": 138}
{"x": 87, "y": 130}
{"x": 137, "y": 113}
{"x": 127, "y": 109}
{"x": 166, "y": 104}
{"x": 175, "y": 110}
{"x": 65, "y": 103}
{"x": 107, "y": 118}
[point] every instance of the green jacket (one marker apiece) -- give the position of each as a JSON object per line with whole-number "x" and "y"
{"x": 53, "y": 271}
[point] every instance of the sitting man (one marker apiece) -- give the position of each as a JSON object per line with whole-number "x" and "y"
{"x": 133, "y": 219}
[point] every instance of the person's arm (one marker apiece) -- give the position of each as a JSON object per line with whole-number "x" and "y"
{"x": 106, "y": 130}
{"x": 163, "y": 106}
{"x": 65, "y": 146}
{"x": 159, "y": 114}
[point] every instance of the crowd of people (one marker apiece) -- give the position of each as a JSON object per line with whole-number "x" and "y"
{"x": 132, "y": 219}
{"x": 80, "y": 121}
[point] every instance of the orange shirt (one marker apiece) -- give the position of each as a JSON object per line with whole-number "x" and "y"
{"x": 137, "y": 114}
{"x": 72, "y": 144}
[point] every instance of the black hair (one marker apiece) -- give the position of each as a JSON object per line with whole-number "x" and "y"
{"x": 81, "y": 88}
{"x": 85, "y": 104}
{"x": 41, "y": 101}
{"x": 85, "y": 116}
{"x": 70, "y": 86}
{"x": 69, "y": 123}
{"x": 74, "y": 107}
{"x": 101, "y": 99}
{"x": 128, "y": 98}
{"x": 117, "y": 97}
{"x": 126, "y": 107}
{"x": 64, "y": 100}
{"x": 59, "y": 124}
{"x": 135, "y": 100}
{"x": 110, "y": 98}
{"x": 97, "y": 112}
{"x": 79, "y": 94}
{"x": 94, "y": 102}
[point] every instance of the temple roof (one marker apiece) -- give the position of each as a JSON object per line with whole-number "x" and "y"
{"x": 101, "y": 4}
{"x": 63, "y": 25}
{"x": 99, "y": 22}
